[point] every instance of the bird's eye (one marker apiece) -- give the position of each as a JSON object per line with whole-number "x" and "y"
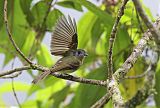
{"x": 79, "y": 52}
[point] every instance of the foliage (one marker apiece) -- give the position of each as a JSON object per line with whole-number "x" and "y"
{"x": 94, "y": 28}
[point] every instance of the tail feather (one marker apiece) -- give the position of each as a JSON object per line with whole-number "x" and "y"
{"x": 41, "y": 77}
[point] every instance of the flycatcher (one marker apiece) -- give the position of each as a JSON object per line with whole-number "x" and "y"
{"x": 64, "y": 43}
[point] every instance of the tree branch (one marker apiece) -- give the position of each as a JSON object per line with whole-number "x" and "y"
{"x": 137, "y": 76}
{"x": 10, "y": 35}
{"x": 117, "y": 98}
{"x": 39, "y": 67}
{"x": 79, "y": 79}
{"x": 8, "y": 72}
{"x": 100, "y": 103}
{"x": 147, "y": 21}
{"x": 128, "y": 64}
{"x": 58, "y": 75}
{"x": 113, "y": 37}
{"x": 149, "y": 83}
{"x": 113, "y": 84}
{"x": 11, "y": 76}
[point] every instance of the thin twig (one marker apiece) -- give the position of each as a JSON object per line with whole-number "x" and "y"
{"x": 11, "y": 76}
{"x": 10, "y": 35}
{"x": 112, "y": 38}
{"x": 147, "y": 21}
{"x": 139, "y": 22}
{"x": 100, "y": 103}
{"x": 137, "y": 76}
{"x": 14, "y": 92}
{"x": 8, "y": 72}
{"x": 15, "y": 95}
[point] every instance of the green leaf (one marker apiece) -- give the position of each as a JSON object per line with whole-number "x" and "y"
{"x": 7, "y": 87}
{"x": 45, "y": 92}
{"x": 105, "y": 17}
{"x": 26, "y": 8}
{"x": 30, "y": 104}
{"x": 52, "y": 18}
{"x": 60, "y": 96}
{"x": 16, "y": 20}
{"x": 157, "y": 86}
{"x": 122, "y": 46}
{"x": 19, "y": 31}
{"x": 92, "y": 57}
{"x": 96, "y": 32}
{"x": 87, "y": 95}
{"x": 35, "y": 15}
{"x": 28, "y": 43}
{"x": 84, "y": 28}
{"x": 49, "y": 81}
{"x": 8, "y": 53}
{"x": 39, "y": 11}
{"x": 33, "y": 89}
{"x": 44, "y": 57}
{"x": 109, "y": 104}
{"x": 70, "y": 4}
{"x": 122, "y": 41}
{"x": 102, "y": 45}
{"x": 8, "y": 58}
{"x": 97, "y": 49}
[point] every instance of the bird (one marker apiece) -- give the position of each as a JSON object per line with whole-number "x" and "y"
{"x": 64, "y": 42}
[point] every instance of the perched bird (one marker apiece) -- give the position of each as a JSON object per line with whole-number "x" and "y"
{"x": 64, "y": 43}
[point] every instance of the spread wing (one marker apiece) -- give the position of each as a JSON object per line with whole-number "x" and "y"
{"x": 64, "y": 36}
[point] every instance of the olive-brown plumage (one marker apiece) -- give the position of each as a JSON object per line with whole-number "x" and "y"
{"x": 64, "y": 43}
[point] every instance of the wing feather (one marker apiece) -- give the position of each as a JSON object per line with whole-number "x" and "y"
{"x": 64, "y": 37}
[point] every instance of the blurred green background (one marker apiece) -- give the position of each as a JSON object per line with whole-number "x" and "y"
{"x": 32, "y": 34}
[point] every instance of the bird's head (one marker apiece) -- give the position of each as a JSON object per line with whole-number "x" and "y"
{"x": 80, "y": 53}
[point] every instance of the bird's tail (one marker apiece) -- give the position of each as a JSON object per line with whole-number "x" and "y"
{"x": 41, "y": 76}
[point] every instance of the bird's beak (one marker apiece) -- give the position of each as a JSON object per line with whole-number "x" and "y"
{"x": 85, "y": 54}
